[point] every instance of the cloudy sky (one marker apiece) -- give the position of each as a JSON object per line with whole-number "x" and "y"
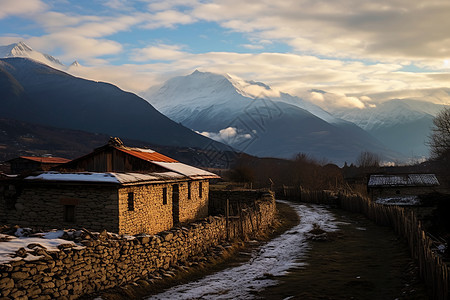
{"x": 362, "y": 51}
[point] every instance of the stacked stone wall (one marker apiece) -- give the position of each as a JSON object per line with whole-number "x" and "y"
{"x": 150, "y": 214}
{"x": 400, "y": 191}
{"x": 197, "y": 206}
{"x": 99, "y": 207}
{"x": 42, "y": 206}
{"x": 106, "y": 262}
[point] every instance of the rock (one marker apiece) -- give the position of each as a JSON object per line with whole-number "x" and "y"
{"x": 144, "y": 239}
{"x": 65, "y": 246}
{"x": 22, "y": 252}
{"x": 47, "y": 285}
{"x": 5, "y": 268}
{"x": 166, "y": 235}
{"x": 35, "y": 245}
{"x": 19, "y": 275}
{"x": 88, "y": 243}
{"x": 6, "y": 283}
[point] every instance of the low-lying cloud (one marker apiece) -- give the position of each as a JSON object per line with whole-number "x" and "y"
{"x": 230, "y": 135}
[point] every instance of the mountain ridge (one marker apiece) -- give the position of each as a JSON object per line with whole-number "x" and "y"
{"x": 54, "y": 98}
{"x": 255, "y": 118}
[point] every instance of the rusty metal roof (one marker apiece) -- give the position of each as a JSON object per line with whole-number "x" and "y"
{"x": 146, "y": 154}
{"x": 167, "y": 163}
{"x": 409, "y": 180}
{"x": 46, "y": 160}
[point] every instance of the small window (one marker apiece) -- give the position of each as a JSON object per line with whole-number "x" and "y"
{"x": 397, "y": 192}
{"x": 69, "y": 213}
{"x": 130, "y": 201}
{"x": 189, "y": 190}
{"x": 200, "y": 189}
{"x": 164, "y": 196}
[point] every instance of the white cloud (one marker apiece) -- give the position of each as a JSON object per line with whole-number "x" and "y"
{"x": 393, "y": 35}
{"x": 229, "y": 135}
{"x": 159, "y": 52}
{"x": 252, "y": 46}
{"x": 171, "y": 4}
{"x": 168, "y": 19}
{"x": 20, "y": 8}
{"x": 384, "y": 30}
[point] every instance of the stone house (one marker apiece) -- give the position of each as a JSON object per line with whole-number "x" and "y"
{"x": 117, "y": 188}
{"x": 401, "y": 186}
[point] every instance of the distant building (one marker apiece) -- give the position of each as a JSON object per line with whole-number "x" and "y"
{"x": 400, "y": 188}
{"x": 117, "y": 188}
{"x": 33, "y": 163}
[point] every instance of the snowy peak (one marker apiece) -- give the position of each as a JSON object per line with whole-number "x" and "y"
{"x": 75, "y": 64}
{"x": 19, "y": 49}
{"x": 201, "y": 90}
{"x": 23, "y": 50}
{"x": 390, "y": 113}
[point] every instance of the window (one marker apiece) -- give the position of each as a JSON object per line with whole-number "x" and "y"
{"x": 69, "y": 213}
{"x": 397, "y": 192}
{"x": 164, "y": 196}
{"x": 189, "y": 190}
{"x": 200, "y": 189}
{"x": 130, "y": 201}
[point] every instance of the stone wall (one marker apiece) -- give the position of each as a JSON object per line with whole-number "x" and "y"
{"x": 218, "y": 199}
{"x": 105, "y": 261}
{"x": 195, "y": 207}
{"x": 399, "y": 191}
{"x": 150, "y": 214}
{"x": 43, "y": 206}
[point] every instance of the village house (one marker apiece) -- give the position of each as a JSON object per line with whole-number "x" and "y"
{"x": 117, "y": 188}
{"x": 33, "y": 163}
{"x": 400, "y": 188}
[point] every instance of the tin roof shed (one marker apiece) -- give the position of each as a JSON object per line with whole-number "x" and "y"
{"x": 403, "y": 180}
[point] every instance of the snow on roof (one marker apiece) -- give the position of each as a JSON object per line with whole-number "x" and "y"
{"x": 138, "y": 177}
{"x": 82, "y": 176}
{"x": 119, "y": 178}
{"x": 403, "y": 180}
{"x": 186, "y": 170}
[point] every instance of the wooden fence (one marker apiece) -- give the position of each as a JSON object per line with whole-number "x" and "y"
{"x": 433, "y": 270}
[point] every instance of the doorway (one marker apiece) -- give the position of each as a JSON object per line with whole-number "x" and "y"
{"x": 176, "y": 203}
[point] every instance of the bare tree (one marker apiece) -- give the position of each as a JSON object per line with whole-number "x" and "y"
{"x": 368, "y": 159}
{"x": 439, "y": 140}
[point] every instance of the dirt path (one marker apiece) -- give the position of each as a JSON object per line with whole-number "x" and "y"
{"x": 360, "y": 261}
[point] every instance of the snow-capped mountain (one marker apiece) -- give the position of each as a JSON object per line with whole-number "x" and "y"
{"x": 403, "y": 124}
{"x": 254, "y": 118}
{"x": 193, "y": 93}
{"x": 23, "y": 50}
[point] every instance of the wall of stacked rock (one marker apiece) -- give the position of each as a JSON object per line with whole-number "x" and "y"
{"x": 103, "y": 260}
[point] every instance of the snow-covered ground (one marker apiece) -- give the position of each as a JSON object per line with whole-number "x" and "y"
{"x": 274, "y": 258}
{"x": 399, "y": 200}
{"x": 10, "y": 244}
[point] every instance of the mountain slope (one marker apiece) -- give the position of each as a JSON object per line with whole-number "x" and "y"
{"x": 254, "y": 118}
{"x": 40, "y": 94}
{"x": 404, "y": 124}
